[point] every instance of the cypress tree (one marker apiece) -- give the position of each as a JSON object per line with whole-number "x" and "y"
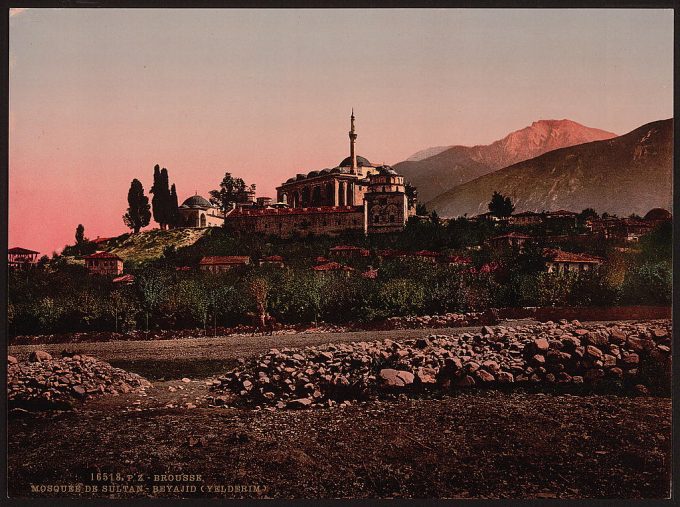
{"x": 138, "y": 213}
{"x": 166, "y": 207}
{"x": 174, "y": 207}
{"x": 156, "y": 200}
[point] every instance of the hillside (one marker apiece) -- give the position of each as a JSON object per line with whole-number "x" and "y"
{"x": 627, "y": 174}
{"x": 148, "y": 245}
{"x": 444, "y": 170}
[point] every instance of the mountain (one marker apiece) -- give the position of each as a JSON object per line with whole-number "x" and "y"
{"x": 631, "y": 173}
{"x": 448, "y": 167}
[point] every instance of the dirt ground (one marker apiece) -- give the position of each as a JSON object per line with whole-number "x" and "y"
{"x": 466, "y": 444}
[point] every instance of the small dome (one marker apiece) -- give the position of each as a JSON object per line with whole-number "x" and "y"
{"x": 312, "y": 174}
{"x": 385, "y": 169}
{"x": 300, "y": 177}
{"x": 196, "y": 201}
{"x": 290, "y": 180}
{"x": 361, "y": 162}
{"x": 658, "y": 214}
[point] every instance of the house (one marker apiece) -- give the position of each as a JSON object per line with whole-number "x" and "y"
{"x": 222, "y": 263}
{"x": 348, "y": 251}
{"x": 561, "y": 219}
{"x": 457, "y": 260}
{"x": 426, "y": 255}
{"x": 559, "y": 261}
{"x": 333, "y": 267}
{"x": 389, "y": 253}
{"x": 124, "y": 280}
{"x": 527, "y": 218}
{"x": 21, "y": 258}
{"x": 509, "y": 241}
{"x": 370, "y": 273}
{"x": 104, "y": 263}
{"x": 272, "y": 260}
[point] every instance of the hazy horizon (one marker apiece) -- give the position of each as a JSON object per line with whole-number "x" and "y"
{"x": 99, "y": 96}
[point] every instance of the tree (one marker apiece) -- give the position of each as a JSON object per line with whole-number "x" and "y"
{"x": 258, "y": 288}
{"x": 138, "y": 213}
{"x": 80, "y": 235}
{"x": 421, "y": 209}
{"x": 411, "y": 195}
{"x": 232, "y": 190}
{"x": 174, "y": 217}
{"x": 161, "y": 201}
{"x": 587, "y": 214}
{"x": 500, "y": 205}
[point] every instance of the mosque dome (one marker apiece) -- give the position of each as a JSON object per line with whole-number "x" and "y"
{"x": 197, "y": 201}
{"x": 361, "y": 162}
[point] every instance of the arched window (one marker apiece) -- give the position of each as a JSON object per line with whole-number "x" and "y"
{"x": 305, "y": 197}
{"x": 350, "y": 194}
{"x": 202, "y": 219}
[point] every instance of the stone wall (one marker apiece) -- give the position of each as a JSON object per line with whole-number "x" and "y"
{"x": 302, "y": 221}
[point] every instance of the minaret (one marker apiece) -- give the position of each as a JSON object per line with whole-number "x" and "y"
{"x": 352, "y": 140}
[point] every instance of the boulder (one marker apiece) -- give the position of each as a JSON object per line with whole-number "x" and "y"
{"x": 38, "y": 356}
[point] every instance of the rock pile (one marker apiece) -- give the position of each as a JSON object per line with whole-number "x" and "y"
{"x": 44, "y": 382}
{"x": 553, "y": 353}
{"x": 427, "y": 321}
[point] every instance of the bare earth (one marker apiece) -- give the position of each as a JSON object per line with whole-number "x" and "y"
{"x": 471, "y": 444}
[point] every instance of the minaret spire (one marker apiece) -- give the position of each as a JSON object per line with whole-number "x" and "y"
{"x": 352, "y": 140}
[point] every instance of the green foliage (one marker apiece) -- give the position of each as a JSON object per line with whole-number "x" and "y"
{"x": 138, "y": 213}
{"x": 500, "y": 205}
{"x": 649, "y": 283}
{"x": 401, "y": 296}
{"x": 80, "y": 234}
{"x": 232, "y": 190}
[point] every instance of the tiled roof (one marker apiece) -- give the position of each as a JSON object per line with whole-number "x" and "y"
{"x": 512, "y": 235}
{"x": 220, "y": 260}
{"x": 458, "y": 259}
{"x": 102, "y": 255}
{"x": 332, "y": 266}
{"x": 273, "y": 258}
{"x": 124, "y": 279}
{"x": 426, "y": 253}
{"x": 557, "y": 255}
{"x": 19, "y": 250}
{"x": 371, "y": 274}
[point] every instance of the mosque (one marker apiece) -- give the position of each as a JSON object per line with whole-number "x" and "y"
{"x": 355, "y": 195}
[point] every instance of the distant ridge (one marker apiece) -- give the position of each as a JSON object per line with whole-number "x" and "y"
{"x": 627, "y": 174}
{"x": 438, "y": 169}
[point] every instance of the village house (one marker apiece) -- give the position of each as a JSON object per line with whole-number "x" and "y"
{"x": 104, "y": 263}
{"x": 333, "y": 267}
{"x": 457, "y": 260}
{"x": 272, "y": 260}
{"x": 426, "y": 256}
{"x": 222, "y": 263}
{"x": 561, "y": 219}
{"x": 21, "y": 258}
{"x": 527, "y": 218}
{"x": 348, "y": 252}
{"x": 124, "y": 280}
{"x": 509, "y": 241}
{"x": 559, "y": 261}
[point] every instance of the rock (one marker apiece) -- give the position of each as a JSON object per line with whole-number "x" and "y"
{"x": 79, "y": 391}
{"x": 484, "y": 376}
{"x": 541, "y": 344}
{"x": 186, "y": 380}
{"x": 426, "y": 375}
{"x": 491, "y": 366}
{"x": 12, "y": 360}
{"x": 486, "y": 330}
{"x": 396, "y": 378}
{"x": 38, "y": 356}
{"x": 659, "y": 333}
{"x": 631, "y": 359}
{"x": 616, "y": 335}
{"x": 504, "y": 377}
{"x": 593, "y": 351}
{"x": 300, "y": 403}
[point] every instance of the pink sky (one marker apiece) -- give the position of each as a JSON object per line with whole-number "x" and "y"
{"x": 98, "y": 97}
